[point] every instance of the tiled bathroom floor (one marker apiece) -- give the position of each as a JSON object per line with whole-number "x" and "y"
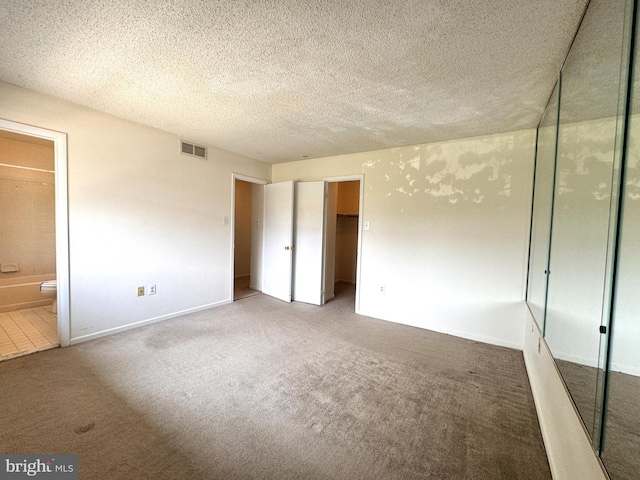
{"x": 25, "y": 331}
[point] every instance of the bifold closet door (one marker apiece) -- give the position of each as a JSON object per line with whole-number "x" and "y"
{"x": 278, "y": 240}
{"x": 308, "y": 256}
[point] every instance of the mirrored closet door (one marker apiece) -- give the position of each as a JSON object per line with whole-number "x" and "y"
{"x": 584, "y": 259}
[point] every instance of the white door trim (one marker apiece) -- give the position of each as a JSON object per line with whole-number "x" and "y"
{"x": 349, "y": 178}
{"x": 59, "y": 140}
{"x": 244, "y": 178}
{"x": 232, "y": 221}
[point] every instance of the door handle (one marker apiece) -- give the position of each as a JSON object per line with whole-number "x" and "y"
{"x": 289, "y": 247}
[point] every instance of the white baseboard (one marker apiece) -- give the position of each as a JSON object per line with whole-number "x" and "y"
{"x": 629, "y": 370}
{"x": 130, "y": 326}
{"x": 499, "y": 324}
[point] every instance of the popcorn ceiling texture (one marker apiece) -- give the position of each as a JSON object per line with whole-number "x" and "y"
{"x": 278, "y": 80}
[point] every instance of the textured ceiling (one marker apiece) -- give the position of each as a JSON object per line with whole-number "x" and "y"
{"x": 281, "y": 80}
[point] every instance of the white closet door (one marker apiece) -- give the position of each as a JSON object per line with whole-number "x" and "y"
{"x": 278, "y": 240}
{"x": 309, "y": 221}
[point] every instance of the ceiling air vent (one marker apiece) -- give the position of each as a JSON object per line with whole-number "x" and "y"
{"x": 192, "y": 149}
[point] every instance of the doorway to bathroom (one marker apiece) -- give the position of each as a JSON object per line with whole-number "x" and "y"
{"x": 248, "y": 207}
{"x": 31, "y": 199}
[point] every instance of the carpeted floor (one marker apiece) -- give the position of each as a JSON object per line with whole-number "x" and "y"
{"x": 259, "y": 389}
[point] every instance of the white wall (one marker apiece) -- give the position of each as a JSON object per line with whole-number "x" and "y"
{"x": 139, "y": 213}
{"x": 449, "y": 232}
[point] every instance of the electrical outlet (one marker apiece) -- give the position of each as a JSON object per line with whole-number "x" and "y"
{"x": 151, "y": 289}
{"x": 141, "y": 291}
{"x": 382, "y": 288}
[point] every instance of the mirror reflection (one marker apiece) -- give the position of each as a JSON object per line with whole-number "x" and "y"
{"x": 584, "y": 255}
{"x": 579, "y": 249}
{"x": 621, "y": 443}
{"x": 541, "y": 214}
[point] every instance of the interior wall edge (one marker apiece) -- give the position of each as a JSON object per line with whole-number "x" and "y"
{"x": 568, "y": 446}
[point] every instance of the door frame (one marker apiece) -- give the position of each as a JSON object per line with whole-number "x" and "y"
{"x": 349, "y": 178}
{"x": 59, "y": 140}
{"x": 232, "y": 222}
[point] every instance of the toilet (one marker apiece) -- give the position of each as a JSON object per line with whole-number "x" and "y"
{"x": 50, "y": 289}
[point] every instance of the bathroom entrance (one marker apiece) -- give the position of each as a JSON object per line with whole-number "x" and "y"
{"x": 29, "y": 193}
{"x": 27, "y": 235}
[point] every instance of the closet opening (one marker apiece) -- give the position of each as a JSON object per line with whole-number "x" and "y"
{"x": 343, "y": 225}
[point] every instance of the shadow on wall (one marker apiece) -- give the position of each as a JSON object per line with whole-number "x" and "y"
{"x": 585, "y": 160}
{"x": 481, "y": 171}
{"x": 632, "y": 173}
{"x": 461, "y": 173}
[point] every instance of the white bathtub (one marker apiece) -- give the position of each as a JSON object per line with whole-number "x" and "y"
{"x": 17, "y": 293}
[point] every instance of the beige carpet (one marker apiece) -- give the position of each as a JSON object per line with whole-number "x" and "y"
{"x": 259, "y": 389}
